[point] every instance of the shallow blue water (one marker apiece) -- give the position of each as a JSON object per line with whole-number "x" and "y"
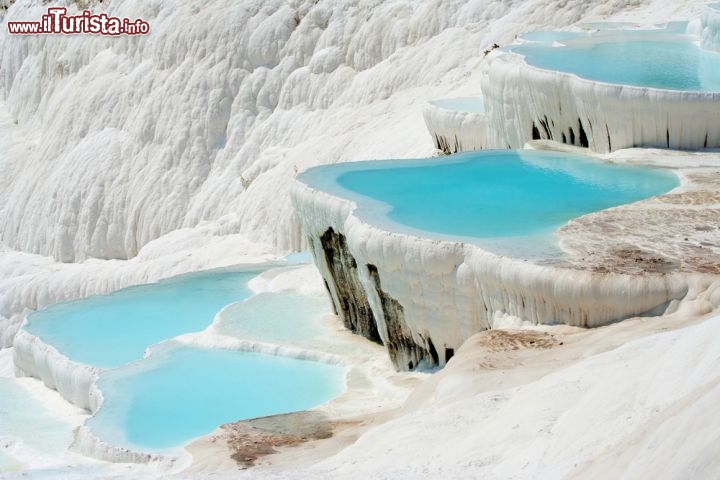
{"x": 111, "y": 330}
{"x": 643, "y": 59}
{"x": 180, "y": 393}
{"x": 276, "y": 317}
{"x": 461, "y": 104}
{"x": 487, "y": 194}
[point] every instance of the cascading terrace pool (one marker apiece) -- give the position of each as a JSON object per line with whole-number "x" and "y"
{"x": 636, "y": 58}
{"x": 509, "y": 202}
{"x": 608, "y": 89}
{"x": 158, "y": 393}
{"x": 182, "y": 392}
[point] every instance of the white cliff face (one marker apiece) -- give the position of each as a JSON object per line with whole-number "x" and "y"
{"x": 122, "y": 140}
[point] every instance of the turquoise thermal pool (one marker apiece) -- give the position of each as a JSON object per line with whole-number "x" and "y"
{"x": 460, "y": 104}
{"x": 181, "y": 393}
{"x": 648, "y": 58}
{"x": 111, "y": 330}
{"x": 486, "y": 195}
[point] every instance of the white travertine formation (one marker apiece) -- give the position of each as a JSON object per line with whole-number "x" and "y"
{"x": 72, "y": 380}
{"x": 525, "y": 103}
{"x": 88, "y": 444}
{"x": 118, "y": 142}
{"x": 456, "y": 130}
{"x": 711, "y": 27}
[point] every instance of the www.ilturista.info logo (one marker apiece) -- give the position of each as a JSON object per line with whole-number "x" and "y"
{"x": 57, "y": 21}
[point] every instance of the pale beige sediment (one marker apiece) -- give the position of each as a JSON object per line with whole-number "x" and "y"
{"x": 676, "y": 232}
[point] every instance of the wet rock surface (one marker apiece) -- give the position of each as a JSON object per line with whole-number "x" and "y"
{"x": 404, "y": 352}
{"x": 676, "y": 232}
{"x": 250, "y": 440}
{"x": 504, "y": 340}
{"x": 347, "y": 294}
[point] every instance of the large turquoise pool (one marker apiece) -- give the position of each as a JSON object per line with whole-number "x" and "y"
{"x": 111, "y": 330}
{"x": 488, "y": 194}
{"x": 180, "y": 393}
{"x": 655, "y": 59}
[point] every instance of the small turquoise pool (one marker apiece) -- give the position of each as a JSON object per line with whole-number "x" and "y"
{"x": 181, "y": 393}
{"x": 488, "y": 194}
{"x": 654, "y": 59}
{"x": 111, "y": 330}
